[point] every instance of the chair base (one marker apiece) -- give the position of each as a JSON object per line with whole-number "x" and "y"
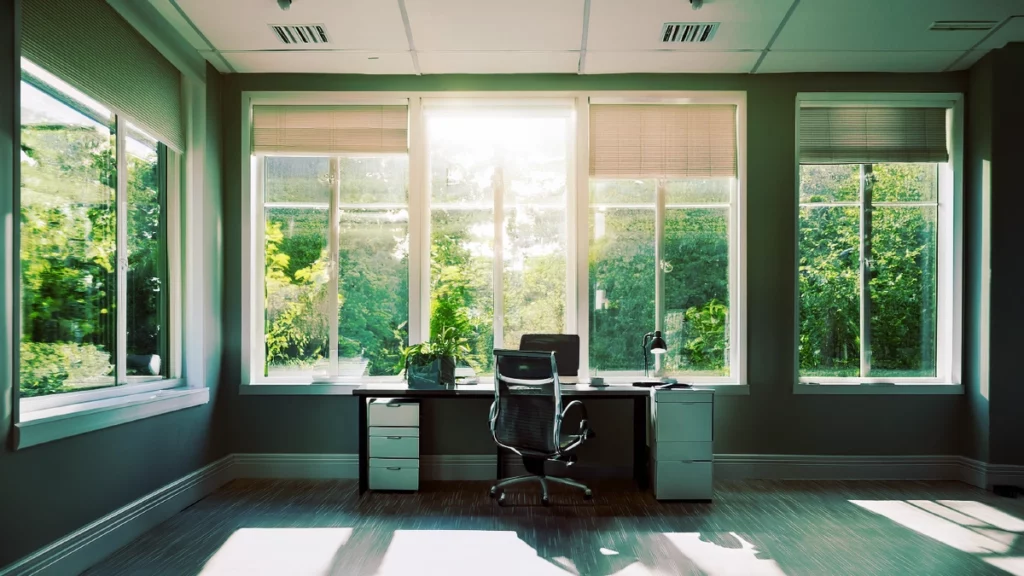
{"x": 498, "y": 490}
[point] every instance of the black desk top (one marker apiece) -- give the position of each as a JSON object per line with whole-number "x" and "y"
{"x": 486, "y": 390}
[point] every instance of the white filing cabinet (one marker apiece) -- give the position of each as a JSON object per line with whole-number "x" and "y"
{"x": 393, "y": 439}
{"x": 682, "y": 436}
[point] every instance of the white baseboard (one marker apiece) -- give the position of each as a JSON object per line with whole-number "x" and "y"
{"x": 81, "y": 549}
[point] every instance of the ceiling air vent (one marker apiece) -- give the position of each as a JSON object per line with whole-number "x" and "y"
{"x": 687, "y": 32}
{"x": 301, "y": 33}
{"x": 957, "y": 25}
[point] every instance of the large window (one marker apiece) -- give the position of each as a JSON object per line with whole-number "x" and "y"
{"x": 875, "y": 220}
{"x": 378, "y": 226}
{"x": 498, "y": 242}
{"x": 94, "y": 304}
{"x": 335, "y": 240}
{"x": 663, "y": 237}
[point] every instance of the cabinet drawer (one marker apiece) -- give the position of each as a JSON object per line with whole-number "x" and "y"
{"x": 683, "y": 422}
{"x": 394, "y": 478}
{"x": 682, "y": 481}
{"x": 393, "y": 412}
{"x": 394, "y": 431}
{"x": 394, "y": 447}
{"x": 686, "y": 451}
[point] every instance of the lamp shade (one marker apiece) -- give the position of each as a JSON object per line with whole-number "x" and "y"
{"x": 658, "y": 344}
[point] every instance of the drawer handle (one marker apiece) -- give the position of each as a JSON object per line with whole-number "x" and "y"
{"x": 394, "y": 405}
{"x": 393, "y": 468}
{"x": 394, "y": 437}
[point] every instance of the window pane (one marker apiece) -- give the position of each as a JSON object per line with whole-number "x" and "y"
{"x": 699, "y": 191}
{"x": 68, "y": 245}
{"x": 830, "y": 183}
{"x": 829, "y": 291}
{"x": 520, "y": 156}
{"x": 146, "y": 297}
{"x": 373, "y": 266}
{"x": 696, "y": 270}
{"x": 905, "y": 182}
{"x": 622, "y": 279}
{"x": 903, "y": 291}
{"x": 296, "y": 265}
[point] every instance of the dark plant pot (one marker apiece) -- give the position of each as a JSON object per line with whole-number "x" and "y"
{"x": 434, "y": 374}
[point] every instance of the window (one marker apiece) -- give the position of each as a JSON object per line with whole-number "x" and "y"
{"x": 875, "y": 243}
{"x": 498, "y": 242}
{"x": 88, "y": 322}
{"x": 379, "y": 225}
{"x": 663, "y": 234}
{"x": 336, "y": 242}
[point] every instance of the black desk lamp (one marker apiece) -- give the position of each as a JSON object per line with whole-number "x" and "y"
{"x": 657, "y": 346}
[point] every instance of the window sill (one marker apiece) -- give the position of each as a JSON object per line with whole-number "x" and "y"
{"x": 878, "y": 389}
{"x": 47, "y": 425}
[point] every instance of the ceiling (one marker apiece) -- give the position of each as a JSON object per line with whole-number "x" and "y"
{"x": 594, "y": 36}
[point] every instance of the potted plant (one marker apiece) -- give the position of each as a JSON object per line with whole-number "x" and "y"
{"x": 431, "y": 364}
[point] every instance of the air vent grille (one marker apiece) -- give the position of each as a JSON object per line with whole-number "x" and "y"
{"x": 956, "y": 25}
{"x": 688, "y": 32}
{"x": 300, "y": 33}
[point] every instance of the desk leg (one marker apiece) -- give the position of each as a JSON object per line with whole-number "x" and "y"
{"x": 640, "y": 461}
{"x": 364, "y": 462}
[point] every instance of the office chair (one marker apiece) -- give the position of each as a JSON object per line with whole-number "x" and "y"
{"x": 526, "y": 417}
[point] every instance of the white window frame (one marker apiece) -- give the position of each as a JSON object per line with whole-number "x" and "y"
{"x": 577, "y": 238}
{"x": 949, "y": 300}
{"x": 51, "y": 417}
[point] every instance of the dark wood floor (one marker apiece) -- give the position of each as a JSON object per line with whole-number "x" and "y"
{"x": 762, "y": 528}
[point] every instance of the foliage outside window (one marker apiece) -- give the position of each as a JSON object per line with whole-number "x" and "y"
{"x": 76, "y": 301}
{"x": 868, "y": 270}
{"x": 498, "y": 225}
{"x": 692, "y": 277}
{"x": 336, "y": 277}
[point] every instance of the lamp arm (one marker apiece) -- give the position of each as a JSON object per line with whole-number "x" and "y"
{"x": 643, "y": 349}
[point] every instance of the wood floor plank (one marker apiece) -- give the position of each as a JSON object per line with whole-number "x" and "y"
{"x": 753, "y": 528}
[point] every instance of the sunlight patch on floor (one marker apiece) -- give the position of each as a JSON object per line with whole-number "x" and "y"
{"x": 273, "y": 551}
{"x": 463, "y": 553}
{"x": 1013, "y": 565}
{"x": 986, "y": 513}
{"x": 738, "y": 558}
{"x": 935, "y": 527}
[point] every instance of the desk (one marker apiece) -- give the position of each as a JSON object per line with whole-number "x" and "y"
{"x": 585, "y": 392}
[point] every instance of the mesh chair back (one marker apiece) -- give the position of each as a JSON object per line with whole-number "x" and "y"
{"x": 528, "y": 399}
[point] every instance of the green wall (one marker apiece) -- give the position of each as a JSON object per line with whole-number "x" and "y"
{"x": 771, "y": 420}
{"x": 50, "y": 490}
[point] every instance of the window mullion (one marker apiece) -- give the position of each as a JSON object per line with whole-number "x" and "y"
{"x": 121, "y": 299}
{"x": 659, "y": 274}
{"x": 333, "y": 235}
{"x": 498, "y": 188}
{"x": 866, "y": 189}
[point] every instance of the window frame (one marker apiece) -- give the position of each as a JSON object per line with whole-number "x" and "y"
{"x": 577, "y": 230}
{"x": 51, "y": 417}
{"x": 949, "y": 289}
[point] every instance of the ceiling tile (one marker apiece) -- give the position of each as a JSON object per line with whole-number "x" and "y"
{"x": 622, "y": 25}
{"x": 668, "y": 61}
{"x": 1012, "y": 31}
{"x": 886, "y": 24}
{"x": 498, "y": 62}
{"x": 351, "y": 24}
{"x": 817, "y": 61}
{"x": 478, "y": 25}
{"x": 176, "y": 19}
{"x": 321, "y": 62}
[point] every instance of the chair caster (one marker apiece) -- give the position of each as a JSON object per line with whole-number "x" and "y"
{"x": 588, "y": 495}
{"x": 545, "y": 501}
{"x": 501, "y": 499}
{"x": 494, "y": 491}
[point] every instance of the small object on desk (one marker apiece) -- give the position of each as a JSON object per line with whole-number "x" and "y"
{"x": 655, "y": 383}
{"x": 597, "y": 381}
{"x": 674, "y": 386}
